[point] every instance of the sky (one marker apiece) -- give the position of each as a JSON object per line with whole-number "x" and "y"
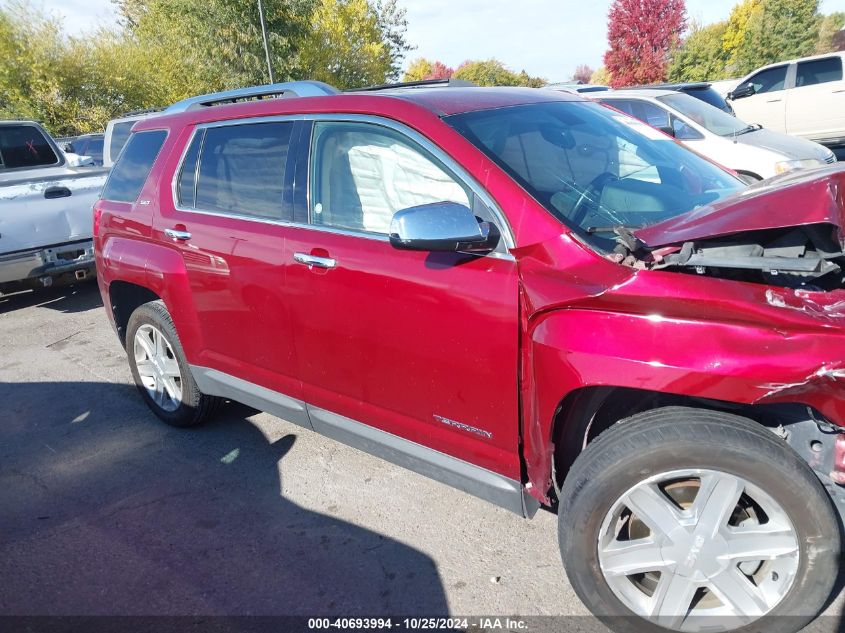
{"x": 547, "y": 38}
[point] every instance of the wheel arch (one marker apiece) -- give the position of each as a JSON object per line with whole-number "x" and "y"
{"x": 126, "y": 297}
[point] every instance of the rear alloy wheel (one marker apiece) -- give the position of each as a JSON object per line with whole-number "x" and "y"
{"x": 689, "y": 520}
{"x": 160, "y": 369}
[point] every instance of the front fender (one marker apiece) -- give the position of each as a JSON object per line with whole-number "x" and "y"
{"x": 740, "y": 362}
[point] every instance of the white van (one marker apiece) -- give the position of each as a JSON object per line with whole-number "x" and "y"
{"x": 753, "y": 152}
{"x": 804, "y": 97}
{"x": 117, "y": 133}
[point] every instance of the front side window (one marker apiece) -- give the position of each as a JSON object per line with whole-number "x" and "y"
{"x": 770, "y": 80}
{"x": 25, "y": 146}
{"x": 592, "y": 168}
{"x": 241, "y": 169}
{"x": 131, "y": 170}
{"x": 361, "y": 174}
{"x": 819, "y": 71}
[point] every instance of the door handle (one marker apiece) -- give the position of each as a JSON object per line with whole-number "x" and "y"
{"x": 176, "y": 235}
{"x": 313, "y": 261}
{"x": 774, "y": 100}
{"x": 57, "y": 192}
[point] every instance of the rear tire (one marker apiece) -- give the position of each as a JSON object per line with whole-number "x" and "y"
{"x": 161, "y": 371}
{"x": 751, "y": 481}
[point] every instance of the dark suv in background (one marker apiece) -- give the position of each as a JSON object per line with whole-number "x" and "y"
{"x": 700, "y": 90}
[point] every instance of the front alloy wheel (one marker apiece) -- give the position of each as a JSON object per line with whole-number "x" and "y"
{"x": 689, "y": 519}
{"x": 690, "y": 543}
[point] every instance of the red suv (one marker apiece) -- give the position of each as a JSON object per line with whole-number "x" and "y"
{"x": 519, "y": 293}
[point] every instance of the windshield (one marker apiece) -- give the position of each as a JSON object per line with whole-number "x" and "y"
{"x": 593, "y": 168}
{"x": 707, "y": 116}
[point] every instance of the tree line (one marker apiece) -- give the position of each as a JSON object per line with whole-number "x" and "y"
{"x": 166, "y": 50}
{"x": 646, "y": 42}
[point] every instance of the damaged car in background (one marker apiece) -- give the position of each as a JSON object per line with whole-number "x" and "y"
{"x": 46, "y": 202}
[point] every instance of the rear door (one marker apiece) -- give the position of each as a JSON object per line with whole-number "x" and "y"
{"x": 815, "y": 107}
{"x": 767, "y": 106}
{"x": 422, "y": 345}
{"x": 227, "y": 217}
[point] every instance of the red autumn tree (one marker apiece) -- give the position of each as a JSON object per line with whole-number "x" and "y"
{"x": 439, "y": 70}
{"x": 582, "y": 73}
{"x": 641, "y": 35}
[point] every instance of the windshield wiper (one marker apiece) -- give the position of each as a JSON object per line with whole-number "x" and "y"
{"x": 748, "y": 128}
{"x": 610, "y": 229}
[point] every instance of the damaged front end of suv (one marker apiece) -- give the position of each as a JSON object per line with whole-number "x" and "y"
{"x": 786, "y": 232}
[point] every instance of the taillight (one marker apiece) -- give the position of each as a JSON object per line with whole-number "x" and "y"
{"x": 97, "y": 213}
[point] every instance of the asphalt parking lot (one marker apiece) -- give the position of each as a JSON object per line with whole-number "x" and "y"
{"x": 107, "y": 511}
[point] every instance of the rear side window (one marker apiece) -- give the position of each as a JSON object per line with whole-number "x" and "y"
{"x": 132, "y": 168}
{"x": 819, "y": 71}
{"x": 25, "y": 146}
{"x": 186, "y": 190}
{"x": 241, "y": 169}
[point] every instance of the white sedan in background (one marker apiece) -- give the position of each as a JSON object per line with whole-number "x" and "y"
{"x": 748, "y": 149}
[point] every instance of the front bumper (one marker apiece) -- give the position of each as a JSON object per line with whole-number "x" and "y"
{"x": 41, "y": 266}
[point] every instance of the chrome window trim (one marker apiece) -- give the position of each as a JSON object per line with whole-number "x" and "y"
{"x": 456, "y": 169}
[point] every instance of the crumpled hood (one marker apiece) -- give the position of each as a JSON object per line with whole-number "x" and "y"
{"x": 810, "y": 196}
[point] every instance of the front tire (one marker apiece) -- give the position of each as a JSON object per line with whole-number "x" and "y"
{"x": 161, "y": 371}
{"x": 684, "y": 519}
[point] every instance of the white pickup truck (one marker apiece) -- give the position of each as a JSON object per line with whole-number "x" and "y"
{"x": 45, "y": 210}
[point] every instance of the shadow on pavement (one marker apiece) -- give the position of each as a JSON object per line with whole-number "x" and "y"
{"x": 76, "y": 298}
{"x": 108, "y": 511}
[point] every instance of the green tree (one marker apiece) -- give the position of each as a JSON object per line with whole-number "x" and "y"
{"x": 702, "y": 56}
{"x": 217, "y": 43}
{"x": 72, "y": 85}
{"x": 781, "y": 29}
{"x": 345, "y": 47}
{"x": 738, "y": 26}
{"x": 601, "y": 77}
{"x": 418, "y": 70}
{"x": 828, "y": 27}
{"x": 492, "y": 72}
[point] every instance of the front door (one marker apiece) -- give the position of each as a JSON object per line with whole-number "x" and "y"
{"x": 421, "y": 345}
{"x": 767, "y": 106}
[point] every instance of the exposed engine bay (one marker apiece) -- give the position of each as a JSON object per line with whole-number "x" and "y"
{"x": 808, "y": 257}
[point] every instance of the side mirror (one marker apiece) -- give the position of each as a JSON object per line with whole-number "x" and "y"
{"x": 440, "y": 226}
{"x": 667, "y": 129}
{"x": 743, "y": 91}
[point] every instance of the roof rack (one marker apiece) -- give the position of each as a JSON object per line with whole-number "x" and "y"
{"x": 424, "y": 83}
{"x": 141, "y": 111}
{"x": 287, "y": 89}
